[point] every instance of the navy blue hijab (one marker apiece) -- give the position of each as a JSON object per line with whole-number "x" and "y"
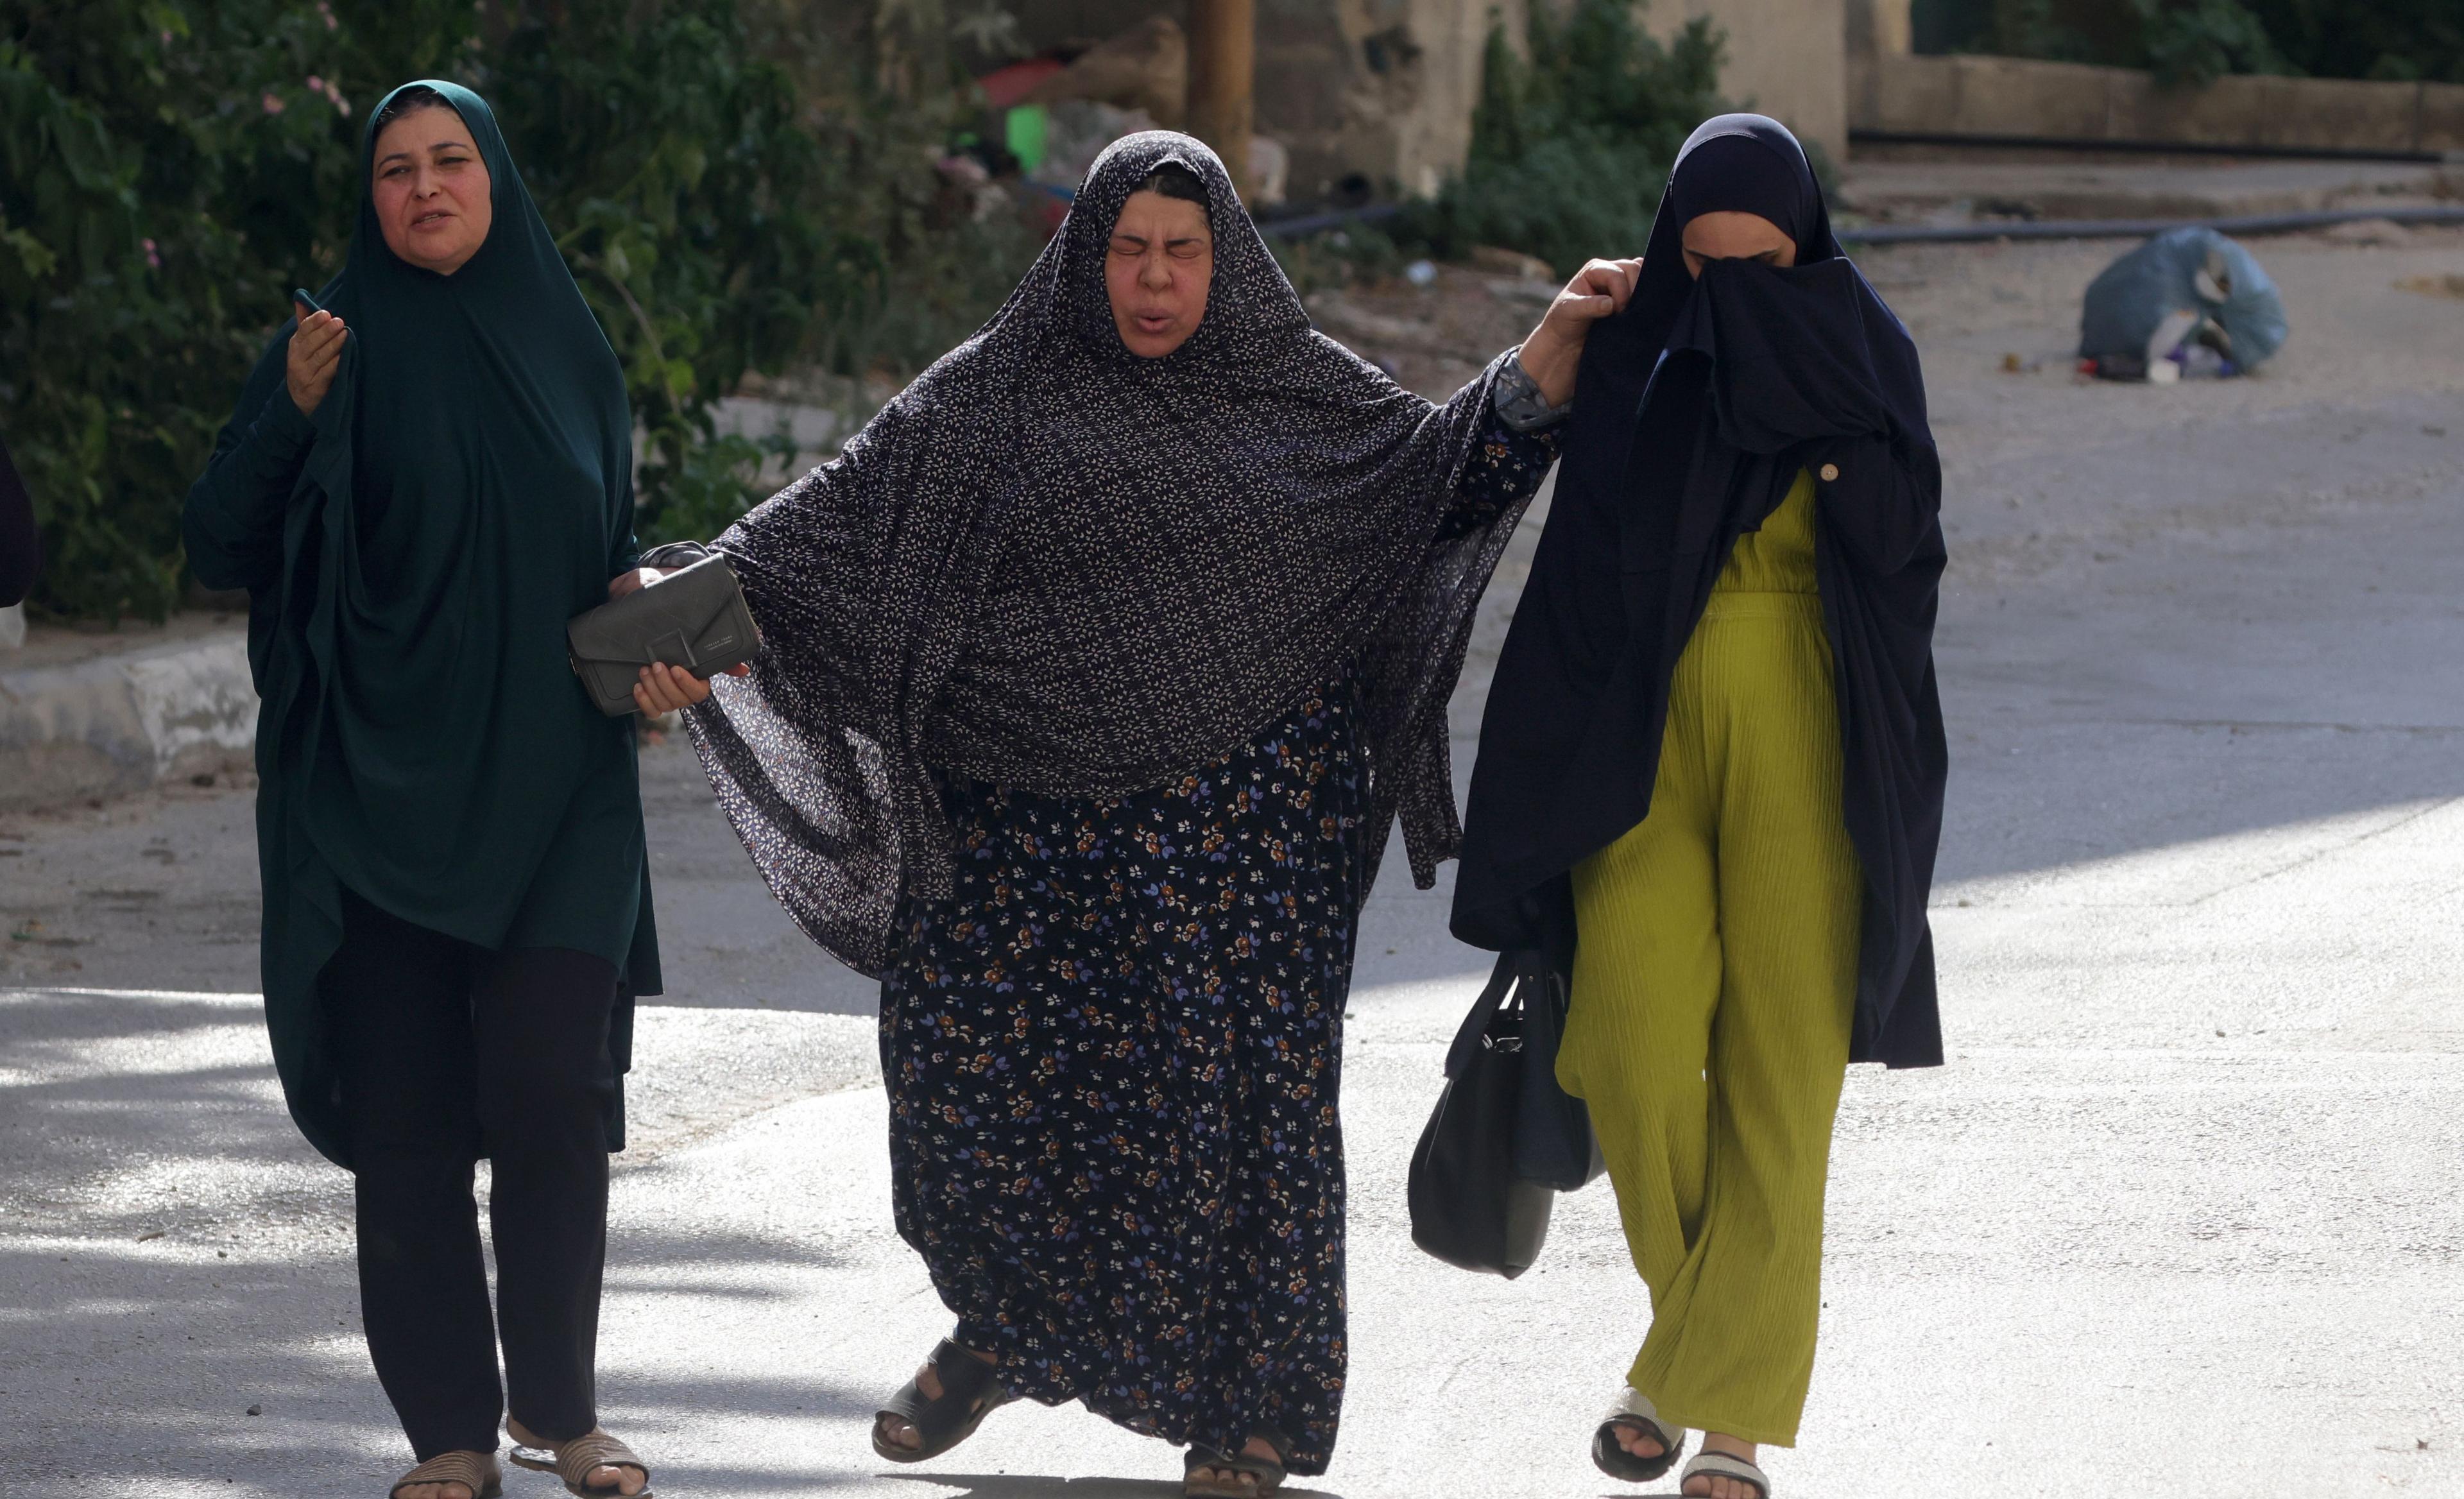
{"x": 1695, "y": 410}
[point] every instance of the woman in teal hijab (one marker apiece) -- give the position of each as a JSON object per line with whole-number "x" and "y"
{"x": 422, "y": 481}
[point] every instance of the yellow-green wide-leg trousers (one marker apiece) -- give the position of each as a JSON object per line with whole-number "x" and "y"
{"x": 1714, "y": 989}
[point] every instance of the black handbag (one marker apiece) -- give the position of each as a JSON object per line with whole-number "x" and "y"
{"x": 1504, "y": 1138}
{"x": 694, "y": 617}
{"x": 1553, "y": 1129}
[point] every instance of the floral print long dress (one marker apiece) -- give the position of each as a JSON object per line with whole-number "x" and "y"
{"x": 1113, "y": 1056}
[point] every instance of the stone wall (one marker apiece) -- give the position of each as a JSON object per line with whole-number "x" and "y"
{"x": 1382, "y": 91}
{"x": 1987, "y": 99}
{"x": 1377, "y": 92}
{"x": 1787, "y": 58}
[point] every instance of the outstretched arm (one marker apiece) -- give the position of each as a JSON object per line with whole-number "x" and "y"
{"x": 1517, "y": 444}
{"x": 804, "y": 557}
{"x": 1531, "y": 397}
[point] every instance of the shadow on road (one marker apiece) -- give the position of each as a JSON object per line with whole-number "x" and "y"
{"x": 1028, "y": 1486}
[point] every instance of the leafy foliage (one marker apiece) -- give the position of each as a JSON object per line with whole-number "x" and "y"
{"x": 666, "y": 155}
{"x": 2033, "y": 29}
{"x": 1571, "y": 140}
{"x": 161, "y": 169}
{"x": 2195, "y": 41}
{"x": 722, "y": 178}
{"x": 1337, "y": 257}
{"x": 2396, "y": 39}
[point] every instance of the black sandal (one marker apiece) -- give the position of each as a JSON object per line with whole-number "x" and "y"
{"x": 1264, "y": 1475}
{"x": 1637, "y": 1413}
{"x": 969, "y": 1391}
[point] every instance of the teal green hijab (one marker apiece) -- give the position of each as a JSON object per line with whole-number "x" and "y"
{"x": 424, "y": 743}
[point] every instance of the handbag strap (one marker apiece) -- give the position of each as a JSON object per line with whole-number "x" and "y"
{"x": 678, "y": 553}
{"x": 1504, "y": 980}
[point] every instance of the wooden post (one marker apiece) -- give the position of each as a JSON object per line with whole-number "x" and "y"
{"x": 1222, "y": 63}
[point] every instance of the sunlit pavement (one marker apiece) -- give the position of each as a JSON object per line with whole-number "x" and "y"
{"x": 2183, "y": 1214}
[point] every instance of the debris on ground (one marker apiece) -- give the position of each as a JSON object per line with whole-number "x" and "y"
{"x": 2367, "y": 232}
{"x": 1510, "y": 262}
{"x": 2190, "y": 302}
{"x": 2434, "y": 285}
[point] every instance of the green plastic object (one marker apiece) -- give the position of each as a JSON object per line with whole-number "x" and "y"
{"x": 1024, "y": 132}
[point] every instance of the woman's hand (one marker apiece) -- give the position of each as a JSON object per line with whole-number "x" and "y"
{"x": 316, "y": 353}
{"x": 1554, "y": 350}
{"x": 633, "y": 580}
{"x": 664, "y": 689}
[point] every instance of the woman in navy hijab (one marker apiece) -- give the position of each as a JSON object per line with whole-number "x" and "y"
{"x": 1710, "y": 775}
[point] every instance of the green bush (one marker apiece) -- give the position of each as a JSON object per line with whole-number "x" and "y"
{"x": 1571, "y": 141}
{"x": 171, "y": 169}
{"x": 2194, "y": 41}
{"x": 161, "y": 169}
{"x": 1337, "y": 257}
{"x": 2394, "y": 39}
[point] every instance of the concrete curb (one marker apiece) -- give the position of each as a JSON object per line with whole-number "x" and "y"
{"x": 118, "y": 724}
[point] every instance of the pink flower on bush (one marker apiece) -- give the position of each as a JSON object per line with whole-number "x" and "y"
{"x": 315, "y": 84}
{"x": 327, "y": 11}
{"x": 153, "y": 260}
{"x": 332, "y": 91}
{"x": 273, "y": 105}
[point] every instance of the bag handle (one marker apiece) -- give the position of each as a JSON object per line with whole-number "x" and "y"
{"x": 678, "y": 555}
{"x": 1505, "y": 980}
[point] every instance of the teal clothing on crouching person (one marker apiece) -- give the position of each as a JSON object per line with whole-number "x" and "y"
{"x": 413, "y": 551}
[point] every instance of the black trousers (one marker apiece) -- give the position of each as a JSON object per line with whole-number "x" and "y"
{"x": 450, "y": 1052}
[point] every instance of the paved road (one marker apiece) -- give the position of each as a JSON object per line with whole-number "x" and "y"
{"x": 2182, "y": 1213}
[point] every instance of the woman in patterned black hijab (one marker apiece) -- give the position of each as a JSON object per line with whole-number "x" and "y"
{"x": 1097, "y": 669}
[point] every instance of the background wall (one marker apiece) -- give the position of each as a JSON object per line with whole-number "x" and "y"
{"x": 1373, "y": 95}
{"x": 1785, "y": 58}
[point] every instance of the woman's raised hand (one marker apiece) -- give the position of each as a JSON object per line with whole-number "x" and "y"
{"x": 1555, "y": 347}
{"x": 316, "y": 353}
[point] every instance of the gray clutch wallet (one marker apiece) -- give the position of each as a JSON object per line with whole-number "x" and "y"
{"x": 693, "y": 618}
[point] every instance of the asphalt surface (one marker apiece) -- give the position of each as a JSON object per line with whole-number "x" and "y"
{"x": 2182, "y": 1213}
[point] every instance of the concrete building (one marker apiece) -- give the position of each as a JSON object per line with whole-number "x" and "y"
{"x": 1379, "y": 94}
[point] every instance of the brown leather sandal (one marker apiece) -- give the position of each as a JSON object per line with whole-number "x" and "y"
{"x": 1245, "y": 1477}
{"x": 476, "y": 1471}
{"x": 572, "y": 1462}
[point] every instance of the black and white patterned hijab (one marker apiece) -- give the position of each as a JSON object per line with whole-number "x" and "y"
{"x": 1056, "y": 565}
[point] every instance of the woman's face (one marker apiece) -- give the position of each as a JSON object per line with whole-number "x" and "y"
{"x": 1726, "y": 235}
{"x": 1158, "y": 267}
{"x": 431, "y": 190}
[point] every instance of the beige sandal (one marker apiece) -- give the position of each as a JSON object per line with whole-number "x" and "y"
{"x": 476, "y": 1471}
{"x": 572, "y": 1462}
